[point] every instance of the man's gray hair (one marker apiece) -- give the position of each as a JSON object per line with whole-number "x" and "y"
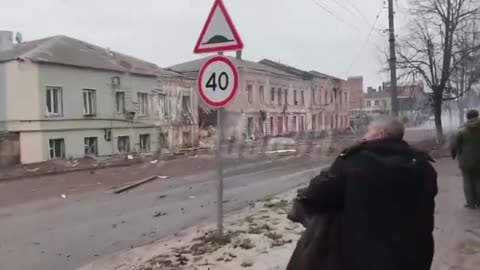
{"x": 393, "y": 127}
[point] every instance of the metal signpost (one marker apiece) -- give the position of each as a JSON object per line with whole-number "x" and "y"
{"x": 218, "y": 78}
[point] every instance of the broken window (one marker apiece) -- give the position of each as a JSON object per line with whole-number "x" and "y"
{"x": 123, "y": 144}
{"x": 91, "y": 146}
{"x": 56, "y": 148}
{"x": 54, "y": 101}
{"x": 143, "y": 104}
{"x": 163, "y": 108}
{"x": 250, "y": 93}
{"x": 261, "y": 94}
{"x": 89, "y": 102}
{"x": 186, "y": 108}
{"x": 186, "y": 136}
{"x": 144, "y": 142}
{"x": 163, "y": 140}
{"x": 250, "y": 127}
{"x": 279, "y": 96}
{"x": 120, "y": 102}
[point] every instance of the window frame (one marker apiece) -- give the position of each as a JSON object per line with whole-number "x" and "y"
{"x": 50, "y": 148}
{"x": 128, "y": 144}
{"x": 123, "y": 109}
{"x": 261, "y": 93}
{"x": 88, "y": 146}
{"x": 59, "y": 91}
{"x": 142, "y": 146}
{"x": 141, "y": 104}
{"x": 250, "y": 93}
{"x": 92, "y": 103}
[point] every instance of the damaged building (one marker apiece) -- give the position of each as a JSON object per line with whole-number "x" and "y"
{"x": 270, "y": 102}
{"x": 277, "y": 100}
{"x": 64, "y": 98}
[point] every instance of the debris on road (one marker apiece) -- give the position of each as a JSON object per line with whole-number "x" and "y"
{"x": 32, "y": 170}
{"x": 136, "y": 184}
{"x": 154, "y": 161}
{"x": 130, "y": 157}
{"x": 64, "y": 196}
{"x": 159, "y": 214}
{"x": 163, "y": 177}
{"x": 162, "y": 197}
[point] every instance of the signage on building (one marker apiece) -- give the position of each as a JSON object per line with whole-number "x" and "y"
{"x": 219, "y": 33}
{"x": 218, "y": 82}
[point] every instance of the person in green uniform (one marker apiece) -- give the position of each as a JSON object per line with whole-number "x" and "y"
{"x": 465, "y": 148}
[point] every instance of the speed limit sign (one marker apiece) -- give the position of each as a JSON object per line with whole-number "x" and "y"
{"x": 218, "y": 82}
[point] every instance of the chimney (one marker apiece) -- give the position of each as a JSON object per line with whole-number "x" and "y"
{"x": 6, "y": 40}
{"x": 239, "y": 55}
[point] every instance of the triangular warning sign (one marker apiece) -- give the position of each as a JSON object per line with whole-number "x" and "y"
{"x": 219, "y": 33}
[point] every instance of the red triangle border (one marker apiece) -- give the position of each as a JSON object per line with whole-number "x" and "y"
{"x": 234, "y": 47}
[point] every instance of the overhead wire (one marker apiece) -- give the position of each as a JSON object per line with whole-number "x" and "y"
{"x": 354, "y": 13}
{"x": 366, "y": 40}
{"x": 334, "y": 15}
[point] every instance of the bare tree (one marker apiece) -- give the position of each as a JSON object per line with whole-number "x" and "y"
{"x": 430, "y": 49}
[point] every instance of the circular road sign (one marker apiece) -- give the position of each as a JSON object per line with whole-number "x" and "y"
{"x": 218, "y": 82}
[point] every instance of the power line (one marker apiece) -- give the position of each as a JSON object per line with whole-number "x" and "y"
{"x": 334, "y": 15}
{"x": 358, "y": 10}
{"x": 340, "y": 4}
{"x": 366, "y": 41}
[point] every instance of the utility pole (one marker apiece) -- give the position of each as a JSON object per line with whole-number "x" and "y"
{"x": 393, "y": 59}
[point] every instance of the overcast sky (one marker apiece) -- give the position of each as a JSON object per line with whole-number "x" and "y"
{"x": 295, "y": 32}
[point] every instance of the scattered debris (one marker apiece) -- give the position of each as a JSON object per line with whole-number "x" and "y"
{"x": 32, "y": 170}
{"x": 159, "y": 214}
{"x": 163, "y": 177}
{"x": 129, "y": 157}
{"x": 162, "y": 197}
{"x": 64, "y": 196}
{"x": 154, "y": 161}
{"x": 135, "y": 184}
{"x": 192, "y": 197}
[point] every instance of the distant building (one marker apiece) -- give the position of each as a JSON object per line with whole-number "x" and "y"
{"x": 378, "y": 102}
{"x": 64, "y": 98}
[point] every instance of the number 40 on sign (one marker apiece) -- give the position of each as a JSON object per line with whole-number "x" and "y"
{"x": 218, "y": 82}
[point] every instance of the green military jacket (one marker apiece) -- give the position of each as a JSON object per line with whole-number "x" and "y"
{"x": 465, "y": 145}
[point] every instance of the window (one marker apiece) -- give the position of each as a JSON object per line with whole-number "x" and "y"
{"x": 142, "y": 104}
{"x": 56, "y": 148}
{"x": 286, "y": 97}
{"x": 163, "y": 140}
{"x": 294, "y": 123}
{"x": 369, "y": 103}
{"x": 186, "y": 136}
{"x": 346, "y": 98}
{"x": 120, "y": 102}
{"x": 384, "y": 104}
{"x": 326, "y": 98}
{"x": 302, "y": 123}
{"x": 340, "y": 100}
{"x": 272, "y": 94}
{"x": 54, "y": 101}
{"x": 145, "y": 142}
{"x": 286, "y": 123}
{"x": 377, "y": 103}
{"x": 250, "y": 93}
{"x": 279, "y": 99}
{"x": 314, "y": 99}
{"x": 89, "y": 102}
{"x": 186, "y": 108}
{"x": 123, "y": 144}
{"x": 302, "y": 97}
{"x": 162, "y": 102}
{"x": 331, "y": 97}
{"x": 91, "y": 146}
{"x": 295, "y": 100}
{"x": 261, "y": 94}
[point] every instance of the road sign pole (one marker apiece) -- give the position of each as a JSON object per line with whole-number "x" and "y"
{"x": 220, "y": 173}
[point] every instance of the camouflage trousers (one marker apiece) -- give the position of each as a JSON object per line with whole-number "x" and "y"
{"x": 471, "y": 187}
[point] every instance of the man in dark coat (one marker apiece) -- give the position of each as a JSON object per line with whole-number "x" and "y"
{"x": 466, "y": 148}
{"x": 384, "y": 190}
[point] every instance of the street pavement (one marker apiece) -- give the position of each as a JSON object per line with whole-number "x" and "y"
{"x": 66, "y": 233}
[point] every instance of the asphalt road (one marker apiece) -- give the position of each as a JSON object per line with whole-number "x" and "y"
{"x": 63, "y": 234}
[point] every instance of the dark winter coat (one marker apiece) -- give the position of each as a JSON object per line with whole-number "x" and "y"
{"x": 318, "y": 247}
{"x": 466, "y": 146}
{"x": 385, "y": 192}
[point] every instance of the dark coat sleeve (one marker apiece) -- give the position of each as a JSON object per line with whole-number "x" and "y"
{"x": 325, "y": 192}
